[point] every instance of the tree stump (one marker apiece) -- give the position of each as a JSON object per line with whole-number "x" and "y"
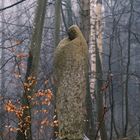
{"x": 71, "y": 71}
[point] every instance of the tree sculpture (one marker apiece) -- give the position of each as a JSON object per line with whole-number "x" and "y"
{"x": 71, "y": 69}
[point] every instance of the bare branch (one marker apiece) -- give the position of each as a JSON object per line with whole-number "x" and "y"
{"x": 2, "y": 9}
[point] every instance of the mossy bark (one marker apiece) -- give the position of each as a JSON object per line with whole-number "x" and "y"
{"x": 71, "y": 68}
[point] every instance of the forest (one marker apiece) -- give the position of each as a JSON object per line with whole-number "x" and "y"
{"x": 69, "y": 69}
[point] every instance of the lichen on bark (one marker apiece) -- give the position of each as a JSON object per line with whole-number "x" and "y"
{"x": 71, "y": 68}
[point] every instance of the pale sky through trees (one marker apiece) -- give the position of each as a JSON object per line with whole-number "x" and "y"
{"x": 29, "y": 43}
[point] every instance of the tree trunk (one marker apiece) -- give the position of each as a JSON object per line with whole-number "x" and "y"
{"x": 127, "y": 70}
{"x": 69, "y": 13}
{"x": 71, "y": 61}
{"x": 99, "y": 74}
{"x": 24, "y": 125}
{"x": 85, "y": 27}
{"x": 57, "y": 21}
{"x": 99, "y": 98}
{"x": 2, "y": 84}
{"x": 85, "y": 18}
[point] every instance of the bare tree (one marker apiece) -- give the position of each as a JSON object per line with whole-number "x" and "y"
{"x": 127, "y": 69}
{"x": 57, "y": 21}
{"x": 24, "y": 132}
{"x": 2, "y": 83}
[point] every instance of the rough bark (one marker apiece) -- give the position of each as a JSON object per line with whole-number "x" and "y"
{"x": 71, "y": 62}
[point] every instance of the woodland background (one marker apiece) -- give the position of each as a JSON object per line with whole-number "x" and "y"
{"x": 34, "y": 28}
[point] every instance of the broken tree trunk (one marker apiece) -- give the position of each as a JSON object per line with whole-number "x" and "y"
{"x": 71, "y": 69}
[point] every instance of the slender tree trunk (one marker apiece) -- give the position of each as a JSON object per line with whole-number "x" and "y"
{"x": 85, "y": 18}
{"x": 99, "y": 98}
{"x": 92, "y": 44}
{"x": 111, "y": 85}
{"x": 122, "y": 82}
{"x": 57, "y": 21}
{"x": 24, "y": 132}
{"x": 58, "y": 8}
{"x": 90, "y": 125}
{"x": 2, "y": 84}
{"x": 85, "y": 27}
{"x": 69, "y": 13}
{"x": 127, "y": 69}
{"x": 99, "y": 75}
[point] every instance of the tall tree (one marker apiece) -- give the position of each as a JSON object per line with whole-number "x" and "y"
{"x": 69, "y": 13}
{"x": 85, "y": 27}
{"x": 85, "y": 18}
{"x": 128, "y": 67}
{"x": 58, "y": 8}
{"x": 99, "y": 98}
{"x": 57, "y": 21}
{"x": 99, "y": 75}
{"x": 24, "y": 132}
{"x": 2, "y": 83}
